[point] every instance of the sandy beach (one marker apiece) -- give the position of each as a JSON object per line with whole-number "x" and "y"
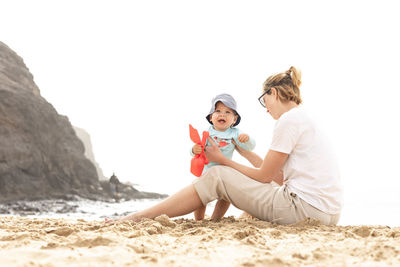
{"x": 184, "y": 242}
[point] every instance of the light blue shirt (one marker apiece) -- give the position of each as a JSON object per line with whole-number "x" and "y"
{"x": 224, "y": 142}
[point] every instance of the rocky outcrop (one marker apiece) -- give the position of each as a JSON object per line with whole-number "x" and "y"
{"x": 41, "y": 156}
{"x": 87, "y": 143}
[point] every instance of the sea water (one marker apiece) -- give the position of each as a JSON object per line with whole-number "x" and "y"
{"x": 360, "y": 208}
{"x": 356, "y": 213}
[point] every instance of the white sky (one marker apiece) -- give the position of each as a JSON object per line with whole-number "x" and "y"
{"x": 134, "y": 74}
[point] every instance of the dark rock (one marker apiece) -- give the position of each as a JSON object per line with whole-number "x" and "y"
{"x": 68, "y": 209}
{"x": 41, "y": 156}
{"x": 4, "y": 210}
{"x": 128, "y": 192}
{"x": 38, "y": 207}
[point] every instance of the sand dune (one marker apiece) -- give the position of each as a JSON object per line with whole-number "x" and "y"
{"x": 183, "y": 242}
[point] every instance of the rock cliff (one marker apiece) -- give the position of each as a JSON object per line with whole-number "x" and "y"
{"x": 41, "y": 156}
{"x": 87, "y": 143}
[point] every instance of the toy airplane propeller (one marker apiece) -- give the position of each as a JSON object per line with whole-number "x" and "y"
{"x": 198, "y": 161}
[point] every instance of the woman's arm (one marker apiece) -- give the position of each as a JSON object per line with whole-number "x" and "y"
{"x": 257, "y": 161}
{"x": 252, "y": 157}
{"x": 267, "y": 172}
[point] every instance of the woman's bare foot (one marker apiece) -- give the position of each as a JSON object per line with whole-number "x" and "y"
{"x": 131, "y": 217}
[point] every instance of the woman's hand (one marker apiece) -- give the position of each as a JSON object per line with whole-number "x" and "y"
{"x": 239, "y": 149}
{"x": 252, "y": 157}
{"x": 243, "y": 152}
{"x": 213, "y": 153}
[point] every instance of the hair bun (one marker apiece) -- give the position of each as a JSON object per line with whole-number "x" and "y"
{"x": 287, "y": 84}
{"x": 295, "y": 74}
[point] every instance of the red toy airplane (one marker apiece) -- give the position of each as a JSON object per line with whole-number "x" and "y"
{"x": 198, "y": 161}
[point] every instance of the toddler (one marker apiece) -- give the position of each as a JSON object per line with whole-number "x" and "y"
{"x": 223, "y": 118}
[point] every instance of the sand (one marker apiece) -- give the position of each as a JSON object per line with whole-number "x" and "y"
{"x": 184, "y": 242}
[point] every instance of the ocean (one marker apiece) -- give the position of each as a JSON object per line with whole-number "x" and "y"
{"x": 354, "y": 213}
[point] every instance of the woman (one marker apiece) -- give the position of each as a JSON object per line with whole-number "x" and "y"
{"x": 299, "y": 160}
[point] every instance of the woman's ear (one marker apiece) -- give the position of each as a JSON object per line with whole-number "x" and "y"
{"x": 274, "y": 93}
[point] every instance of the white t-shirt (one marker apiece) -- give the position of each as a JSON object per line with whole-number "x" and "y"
{"x": 311, "y": 170}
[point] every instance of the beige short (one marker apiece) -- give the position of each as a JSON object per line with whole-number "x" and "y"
{"x": 266, "y": 201}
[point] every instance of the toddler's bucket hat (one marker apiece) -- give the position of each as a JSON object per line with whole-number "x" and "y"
{"x": 228, "y": 101}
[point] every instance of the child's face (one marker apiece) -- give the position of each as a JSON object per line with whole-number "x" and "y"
{"x": 223, "y": 117}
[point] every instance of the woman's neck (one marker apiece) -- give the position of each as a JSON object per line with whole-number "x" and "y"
{"x": 285, "y": 107}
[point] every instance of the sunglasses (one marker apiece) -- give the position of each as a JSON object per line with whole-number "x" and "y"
{"x": 261, "y": 98}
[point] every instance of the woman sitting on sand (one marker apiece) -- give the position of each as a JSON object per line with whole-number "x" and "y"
{"x": 299, "y": 159}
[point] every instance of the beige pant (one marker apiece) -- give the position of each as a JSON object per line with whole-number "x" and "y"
{"x": 266, "y": 201}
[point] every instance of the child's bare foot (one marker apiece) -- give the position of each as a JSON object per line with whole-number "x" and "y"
{"x": 245, "y": 215}
{"x": 110, "y": 221}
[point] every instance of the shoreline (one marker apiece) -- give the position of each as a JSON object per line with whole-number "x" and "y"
{"x": 185, "y": 242}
